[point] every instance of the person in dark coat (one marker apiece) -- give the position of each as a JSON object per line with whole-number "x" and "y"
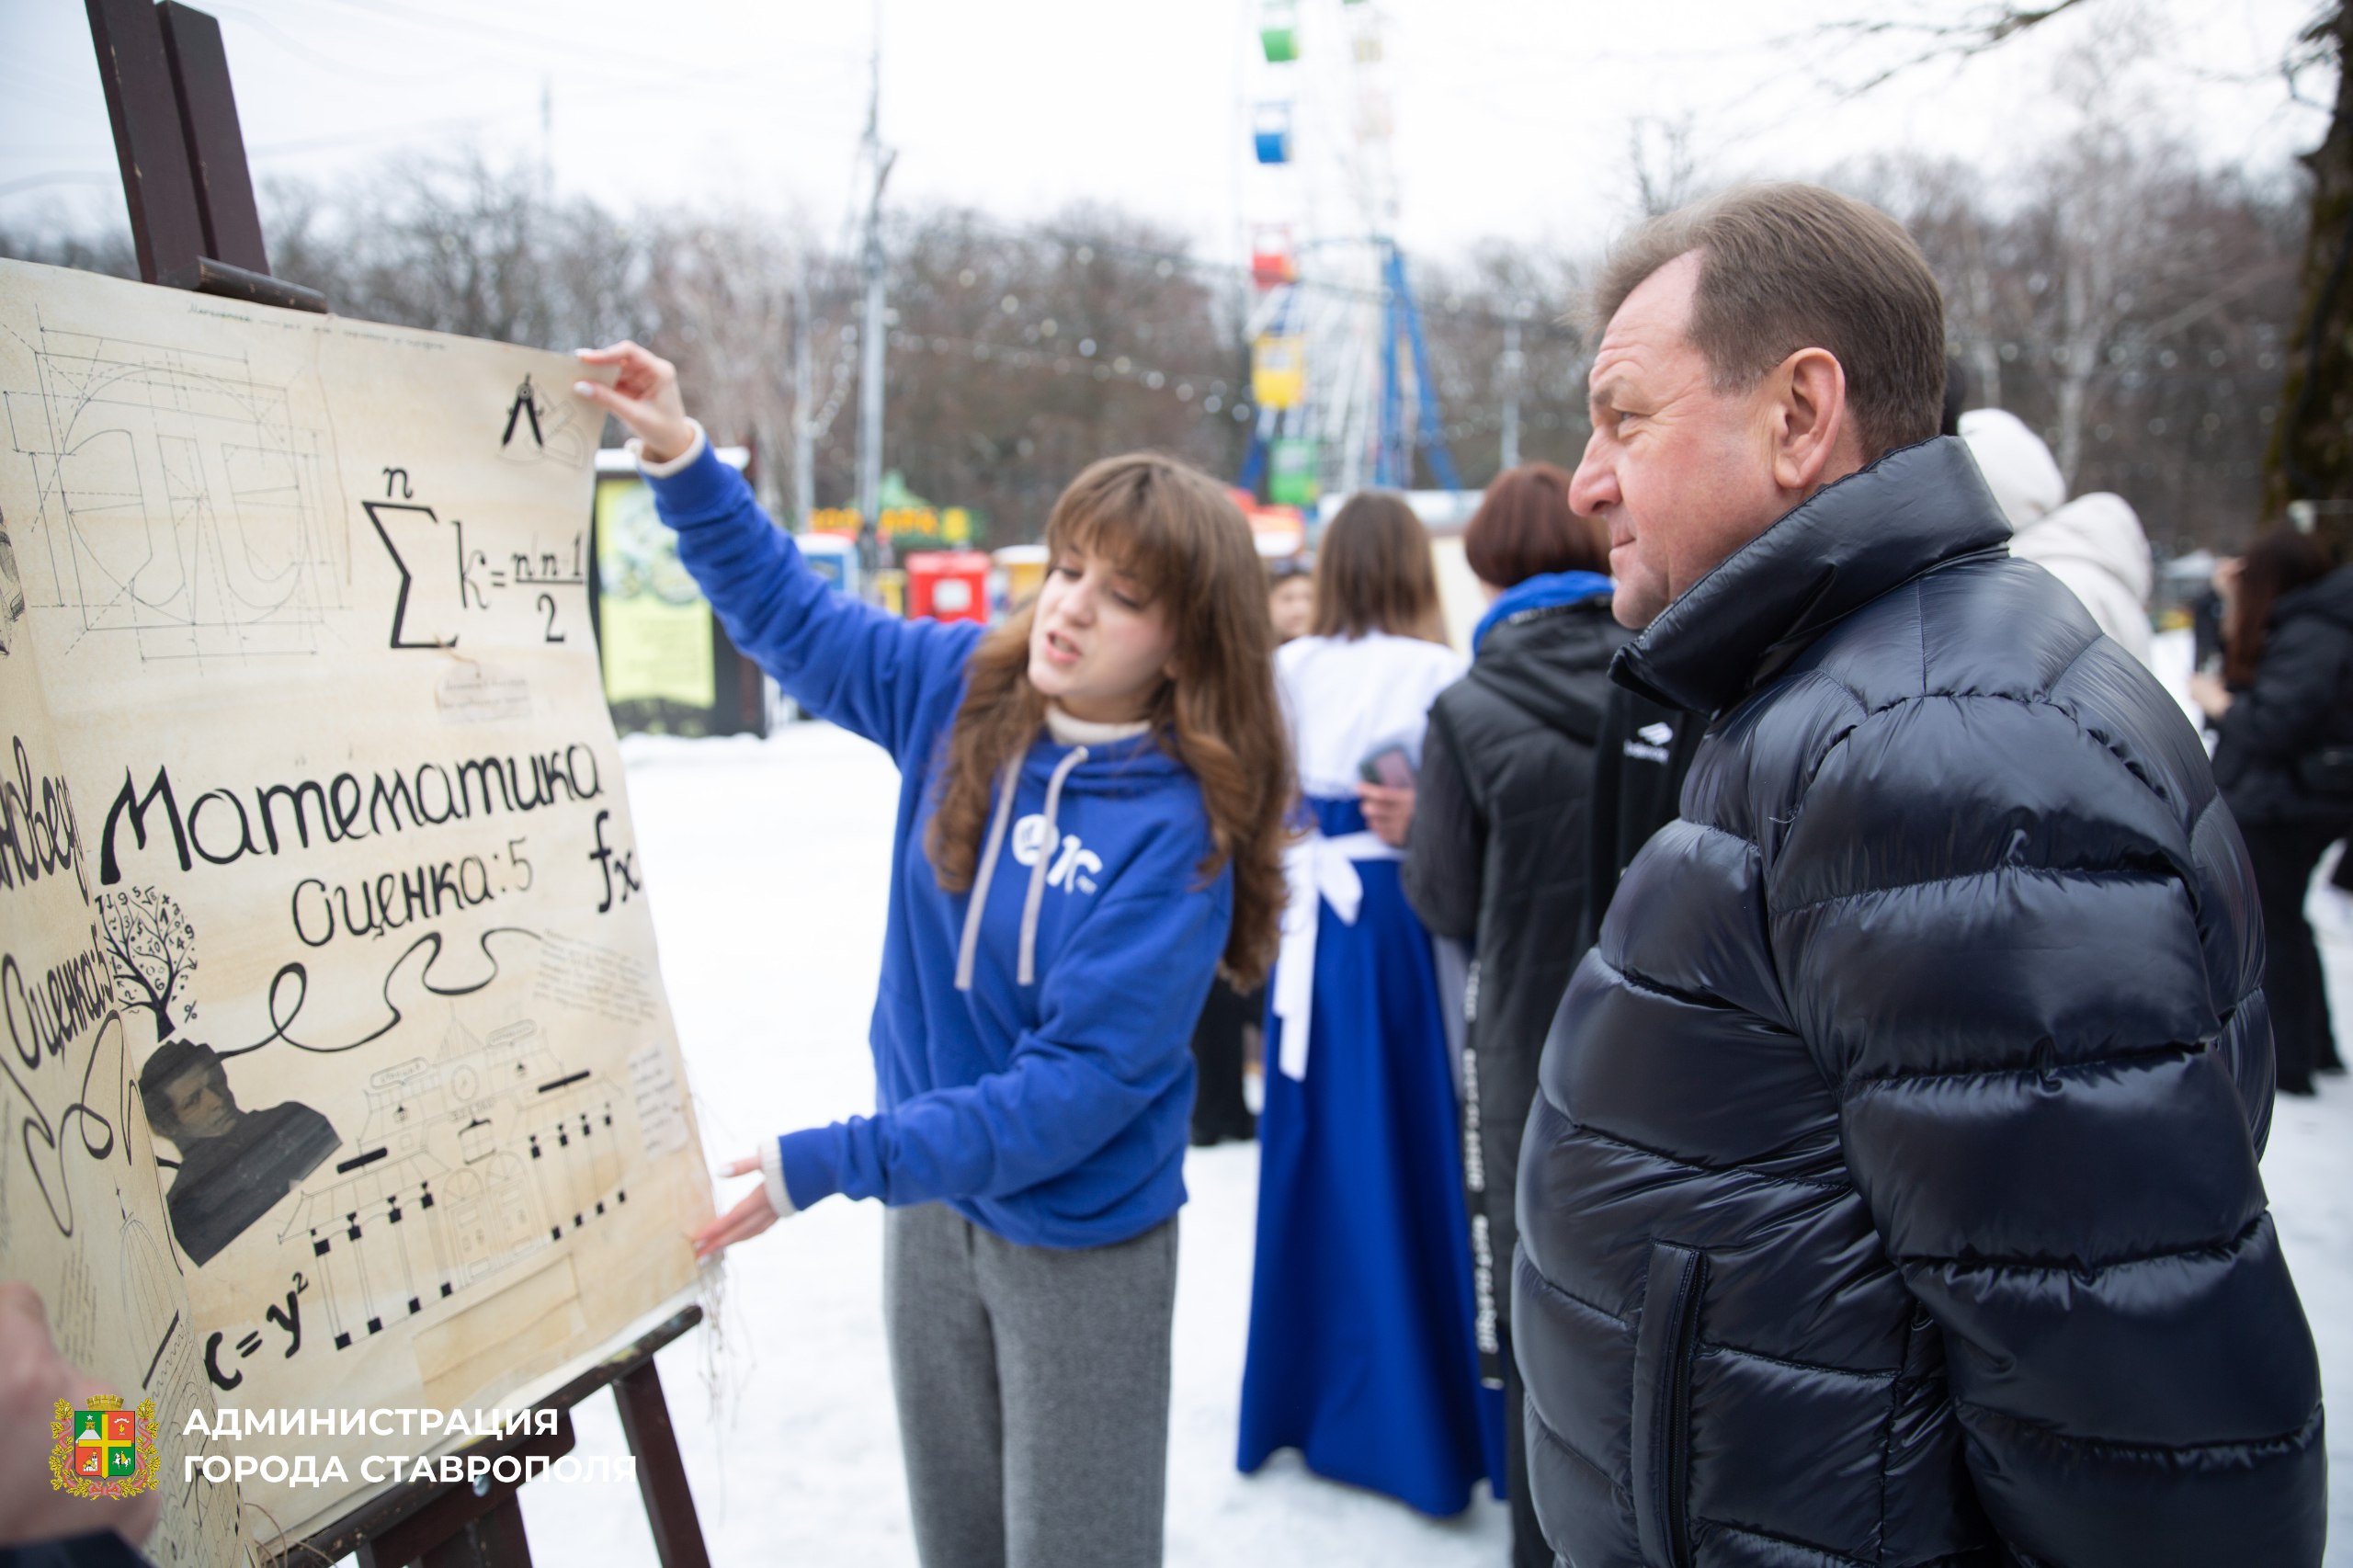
{"x": 1891, "y": 1193}
{"x": 1223, "y": 1039}
{"x": 1496, "y": 858}
{"x": 2284, "y": 698}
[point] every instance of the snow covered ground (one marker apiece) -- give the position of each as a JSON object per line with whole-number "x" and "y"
{"x": 767, "y": 865}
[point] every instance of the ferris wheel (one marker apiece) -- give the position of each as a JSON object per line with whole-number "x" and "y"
{"x": 1338, "y": 371}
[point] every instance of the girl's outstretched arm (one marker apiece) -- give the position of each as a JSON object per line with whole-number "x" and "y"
{"x": 1112, "y": 1038}
{"x": 887, "y": 679}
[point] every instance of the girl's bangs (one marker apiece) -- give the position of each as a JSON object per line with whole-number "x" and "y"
{"x": 1138, "y": 540}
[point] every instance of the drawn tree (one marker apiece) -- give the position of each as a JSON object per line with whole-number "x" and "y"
{"x": 153, "y": 949}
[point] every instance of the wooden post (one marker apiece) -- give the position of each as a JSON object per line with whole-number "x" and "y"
{"x": 216, "y": 145}
{"x": 143, "y": 107}
{"x": 660, "y": 1473}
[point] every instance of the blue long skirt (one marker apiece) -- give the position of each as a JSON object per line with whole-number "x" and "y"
{"x": 1362, "y": 1354}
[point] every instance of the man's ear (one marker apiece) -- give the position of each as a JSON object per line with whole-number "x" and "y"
{"x": 1814, "y": 437}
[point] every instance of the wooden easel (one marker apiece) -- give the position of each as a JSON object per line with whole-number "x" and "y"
{"x": 459, "y": 1526}
{"x": 183, "y": 155}
{"x": 196, "y": 226}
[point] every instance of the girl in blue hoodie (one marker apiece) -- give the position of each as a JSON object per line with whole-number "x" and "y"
{"x": 1090, "y": 826}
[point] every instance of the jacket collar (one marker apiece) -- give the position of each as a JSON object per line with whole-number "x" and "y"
{"x": 1913, "y": 510}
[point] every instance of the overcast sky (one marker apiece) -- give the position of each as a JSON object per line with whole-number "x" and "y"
{"x": 1510, "y": 117}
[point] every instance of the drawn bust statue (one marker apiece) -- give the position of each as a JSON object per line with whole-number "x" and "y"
{"x": 234, "y": 1164}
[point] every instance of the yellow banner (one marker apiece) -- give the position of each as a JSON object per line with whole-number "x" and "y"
{"x": 654, "y": 620}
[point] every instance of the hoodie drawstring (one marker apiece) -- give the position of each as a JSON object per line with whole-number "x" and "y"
{"x": 1049, "y": 842}
{"x": 1025, "y": 972}
{"x": 986, "y": 874}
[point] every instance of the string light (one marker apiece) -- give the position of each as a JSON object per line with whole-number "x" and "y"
{"x": 1120, "y": 368}
{"x": 1166, "y": 264}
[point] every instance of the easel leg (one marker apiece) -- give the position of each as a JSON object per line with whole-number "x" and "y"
{"x": 661, "y": 1474}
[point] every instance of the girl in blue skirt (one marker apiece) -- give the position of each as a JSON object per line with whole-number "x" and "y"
{"x": 1362, "y": 1349}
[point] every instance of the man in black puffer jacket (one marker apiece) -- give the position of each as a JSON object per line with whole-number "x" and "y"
{"x": 1891, "y": 1195}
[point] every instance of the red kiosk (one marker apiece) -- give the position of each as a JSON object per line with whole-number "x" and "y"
{"x": 948, "y": 584}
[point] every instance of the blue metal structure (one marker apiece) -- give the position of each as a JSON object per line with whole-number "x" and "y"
{"x": 1433, "y": 429}
{"x": 1401, "y": 326}
{"x": 1401, "y": 336}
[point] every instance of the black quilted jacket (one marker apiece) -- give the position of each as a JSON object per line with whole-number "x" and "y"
{"x": 1497, "y": 859}
{"x": 1890, "y": 1196}
{"x": 2301, "y": 701}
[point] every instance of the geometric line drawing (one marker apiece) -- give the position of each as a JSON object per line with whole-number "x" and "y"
{"x": 180, "y": 503}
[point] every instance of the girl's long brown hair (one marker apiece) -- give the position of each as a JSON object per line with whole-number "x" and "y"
{"x": 2274, "y": 566}
{"x": 1374, "y": 572}
{"x": 1173, "y": 530}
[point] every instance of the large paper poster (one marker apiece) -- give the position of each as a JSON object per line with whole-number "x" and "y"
{"x": 305, "y": 605}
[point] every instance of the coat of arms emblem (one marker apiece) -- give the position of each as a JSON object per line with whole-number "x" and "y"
{"x": 104, "y": 1450}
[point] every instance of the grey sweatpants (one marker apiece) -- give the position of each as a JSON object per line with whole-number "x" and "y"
{"x": 1032, "y": 1388}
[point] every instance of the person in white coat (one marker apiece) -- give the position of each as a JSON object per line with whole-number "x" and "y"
{"x": 2094, "y": 543}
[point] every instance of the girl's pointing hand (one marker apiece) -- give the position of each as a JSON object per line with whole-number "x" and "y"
{"x": 752, "y": 1215}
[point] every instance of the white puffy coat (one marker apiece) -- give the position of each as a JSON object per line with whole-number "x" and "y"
{"x": 2094, "y": 543}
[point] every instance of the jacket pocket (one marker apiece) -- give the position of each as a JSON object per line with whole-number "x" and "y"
{"x": 1664, "y": 1346}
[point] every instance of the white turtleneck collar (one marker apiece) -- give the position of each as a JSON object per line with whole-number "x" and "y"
{"x": 1070, "y": 732}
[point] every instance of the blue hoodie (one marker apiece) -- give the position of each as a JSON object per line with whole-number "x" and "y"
{"x": 1032, "y": 1067}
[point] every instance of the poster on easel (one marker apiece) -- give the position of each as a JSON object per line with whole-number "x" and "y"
{"x": 306, "y": 615}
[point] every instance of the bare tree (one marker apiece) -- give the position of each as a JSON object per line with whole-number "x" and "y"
{"x": 1660, "y": 162}
{"x": 1922, "y": 40}
{"x": 1021, "y": 355}
{"x": 2309, "y": 456}
{"x": 723, "y": 294}
{"x": 460, "y": 246}
{"x": 1466, "y": 307}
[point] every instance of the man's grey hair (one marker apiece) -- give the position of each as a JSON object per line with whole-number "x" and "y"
{"x": 1785, "y": 267}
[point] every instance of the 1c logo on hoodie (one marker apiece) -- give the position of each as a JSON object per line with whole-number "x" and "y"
{"x": 1072, "y": 861}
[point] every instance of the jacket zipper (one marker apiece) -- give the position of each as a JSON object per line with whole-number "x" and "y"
{"x": 1679, "y": 1405}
